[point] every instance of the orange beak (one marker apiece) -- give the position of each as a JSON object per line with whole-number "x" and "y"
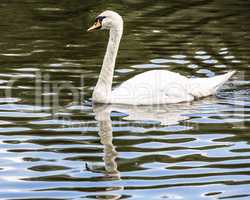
{"x": 96, "y": 26}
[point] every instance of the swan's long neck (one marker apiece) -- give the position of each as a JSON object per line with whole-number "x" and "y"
{"x": 102, "y": 91}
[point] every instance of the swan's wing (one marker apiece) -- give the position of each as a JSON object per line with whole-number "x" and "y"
{"x": 153, "y": 87}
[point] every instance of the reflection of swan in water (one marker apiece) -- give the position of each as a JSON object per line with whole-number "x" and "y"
{"x": 164, "y": 114}
{"x": 102, "y": 115}
{"x": 171, "y": 114}
{"x": 106, "y": 136}
{"x": 148, "y": 88}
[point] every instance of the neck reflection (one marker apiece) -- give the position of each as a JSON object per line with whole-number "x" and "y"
{"x": 103, "y": 116}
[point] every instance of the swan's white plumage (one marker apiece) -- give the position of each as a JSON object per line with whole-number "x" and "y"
{"x": 152, "y": 87}
{"x": 164, "y": 87}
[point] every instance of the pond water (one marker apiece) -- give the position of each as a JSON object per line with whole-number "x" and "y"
{"x": 55, "y": 145}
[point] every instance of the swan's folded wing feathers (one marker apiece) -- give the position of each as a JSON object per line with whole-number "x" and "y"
{"x": 153, "y": 87}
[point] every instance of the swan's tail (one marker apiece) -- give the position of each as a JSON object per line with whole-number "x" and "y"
{"x": 221, "y": 79}
{"x": 209, "y": 86}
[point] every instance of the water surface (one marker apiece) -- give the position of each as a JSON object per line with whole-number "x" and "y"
{"x": 55, "y": 145}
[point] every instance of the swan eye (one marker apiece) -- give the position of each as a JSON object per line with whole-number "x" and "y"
{"x": 99, "y": 18}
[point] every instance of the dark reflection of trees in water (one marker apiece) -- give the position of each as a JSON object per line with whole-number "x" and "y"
{"x": 185, "y": 27}
{"x": 189, "y": 19}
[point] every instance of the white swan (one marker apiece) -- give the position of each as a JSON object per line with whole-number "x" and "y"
{"x": 148, "y": 88}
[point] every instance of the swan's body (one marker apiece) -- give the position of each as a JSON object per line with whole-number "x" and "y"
{"x": 165, "y": 87}
{"x": 148, "y": 88}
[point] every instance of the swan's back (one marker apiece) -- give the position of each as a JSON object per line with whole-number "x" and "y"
{"x": 153, "y": 87}
{"x": 164, "y": 87}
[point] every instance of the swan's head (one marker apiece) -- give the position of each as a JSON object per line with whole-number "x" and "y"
{"x": 107, "y": 20}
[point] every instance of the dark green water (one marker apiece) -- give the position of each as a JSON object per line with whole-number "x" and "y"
{"x": 55, "y": 145}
